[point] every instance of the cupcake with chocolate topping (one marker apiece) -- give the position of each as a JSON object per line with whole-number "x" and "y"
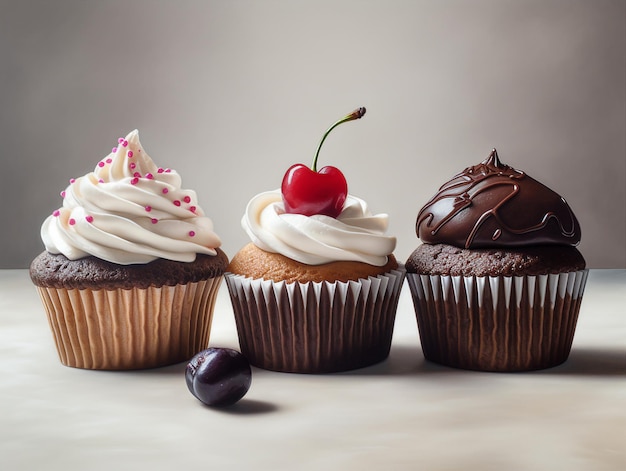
{"x": 498, "y": 281}
{"x": 316, "y": 289}
{"x": 131, "y": 268}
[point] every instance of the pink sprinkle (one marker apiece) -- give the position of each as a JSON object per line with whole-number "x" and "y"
{"x": 134, "y": 181}
{"x": 176, "y": 203}
{"x": 89, "y": 218}
{"x": 125, "y": 143}
{"x": 167, "y": 170}
{"x": 72, "y": 180}
{"x": 187, "y": 199}
{"x": 130, "y": 154}
{"x": 100, "y": 180}
{"x": 192, "y": 233}
{"x": 165, "y": 191}
{"x": 192, "y": 209}
{"x": 149, "y": 176}
{"x": 148, "y": 208}
{"x": 72, "y": 221}
{"x": 56, "y": 213}
{"x": 154, "y": 220}
{"x": 120, "y": 140}
{"x": 114, "y": 150}
{"x": 137, "y": 175}
{"x": 109, "y": 160}
{"x": 63, "y": 194}
{"x": 160, "y": 170}
{"x": 100, "y": 164}
{"x": 132, "y": 165}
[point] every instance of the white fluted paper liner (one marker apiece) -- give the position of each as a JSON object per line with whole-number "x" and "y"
{"x": 130, "y": 328}
{"x": 315, "y": 327}
{"x": 501, "y": 323}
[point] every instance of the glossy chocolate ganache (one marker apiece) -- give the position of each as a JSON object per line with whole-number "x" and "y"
{"x": 494, "y": 205}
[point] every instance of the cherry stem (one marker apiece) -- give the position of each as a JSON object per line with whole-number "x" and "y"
{"x": 356, "y": 114}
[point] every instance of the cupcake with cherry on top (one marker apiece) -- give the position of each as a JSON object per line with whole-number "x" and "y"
{"x": 316, "y": 289}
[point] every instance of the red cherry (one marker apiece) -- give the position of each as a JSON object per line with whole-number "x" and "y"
{"x": 307, "y": 191}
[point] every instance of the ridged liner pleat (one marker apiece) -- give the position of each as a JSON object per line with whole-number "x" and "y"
{"x": 315, "y": 327}
{"x": 130, "y": 329}
{"x": 497, "y": 323}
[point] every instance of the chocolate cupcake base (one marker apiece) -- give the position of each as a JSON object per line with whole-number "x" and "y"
{"x": 315, "y": 327}
{"x": 501, "y": 323}
{"x": 122, "y": 329}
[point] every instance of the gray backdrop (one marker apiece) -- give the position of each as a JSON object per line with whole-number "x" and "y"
{"x": 231, "y": 93}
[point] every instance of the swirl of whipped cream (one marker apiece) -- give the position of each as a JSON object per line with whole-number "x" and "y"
{"x": 355, "y": 235}
{"x": 129, "y": 211}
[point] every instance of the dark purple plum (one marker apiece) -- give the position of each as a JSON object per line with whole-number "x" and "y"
{"x": 218, "y": 376}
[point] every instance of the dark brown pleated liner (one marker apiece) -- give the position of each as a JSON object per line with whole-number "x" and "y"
{"x": 497, "y": 323}
{"x": 130, "y": 329}
{"x": 315, "y": 327}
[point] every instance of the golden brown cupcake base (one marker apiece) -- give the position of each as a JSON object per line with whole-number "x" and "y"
{"x": 253, "y": 262}
{"x": 315, "y": 327}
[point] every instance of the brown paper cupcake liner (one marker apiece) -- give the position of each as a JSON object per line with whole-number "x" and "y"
{"x": 315, "y": 327}
{"x": 130, "y": 329}
{"x": 501, "y": 323}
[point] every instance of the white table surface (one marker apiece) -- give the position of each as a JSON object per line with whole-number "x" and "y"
{"x": 404, "y": 413}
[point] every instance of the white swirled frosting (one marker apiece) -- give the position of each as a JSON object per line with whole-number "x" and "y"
{"x": 355, "y": 235}
{"x": 129, "y": 211}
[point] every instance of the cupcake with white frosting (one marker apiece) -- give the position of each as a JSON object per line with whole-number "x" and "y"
{"x": 314, "y": 291}
{"x": 131, "y": 268}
